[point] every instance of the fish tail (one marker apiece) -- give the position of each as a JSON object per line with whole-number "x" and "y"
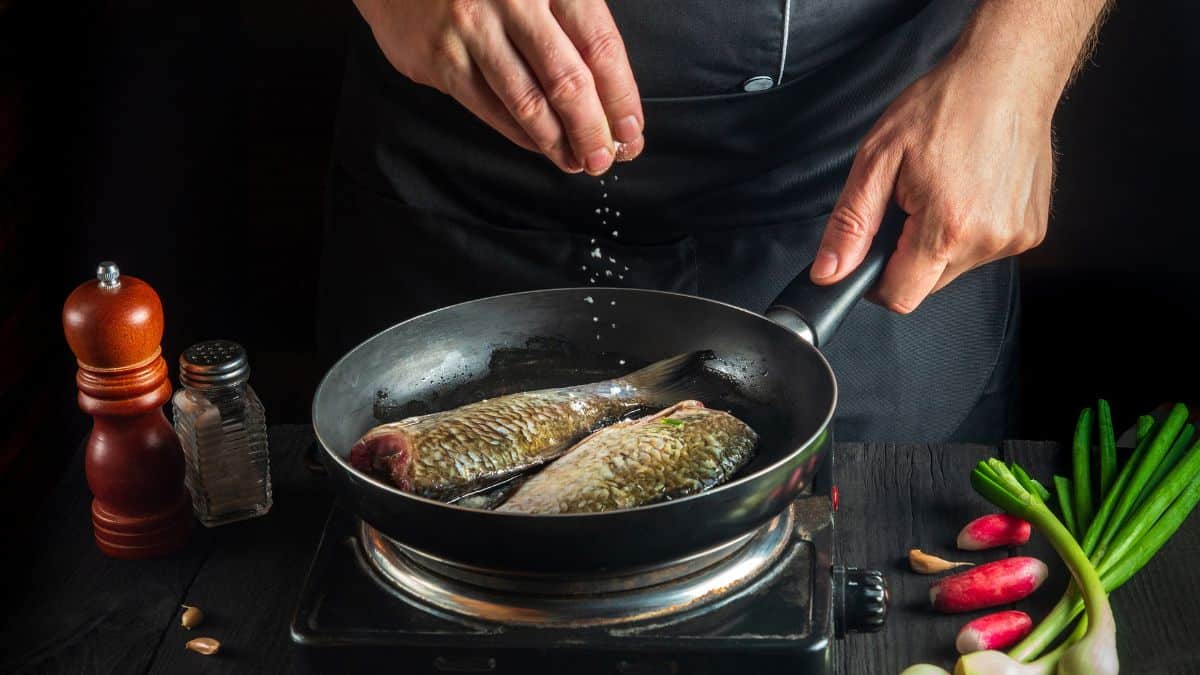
{"x": 671, "y": 380}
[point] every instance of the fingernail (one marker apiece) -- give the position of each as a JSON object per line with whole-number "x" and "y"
{"x": 598, "y": 161}
{"x": 627, "y": 151}
{"x": 627, "y": 129}
{"x": 825, "y": 264}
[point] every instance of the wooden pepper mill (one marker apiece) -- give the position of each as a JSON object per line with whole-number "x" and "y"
{"x": 134, "y": 462}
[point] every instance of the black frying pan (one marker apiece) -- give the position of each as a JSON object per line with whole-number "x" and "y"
{"x": 770, "y": 367}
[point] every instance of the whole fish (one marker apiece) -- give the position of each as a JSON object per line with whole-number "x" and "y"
{"x": 680, "y": 451}
{"x": 451, "y": 454}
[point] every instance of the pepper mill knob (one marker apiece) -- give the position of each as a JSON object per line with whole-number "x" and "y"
{"x": 134, "y": 463}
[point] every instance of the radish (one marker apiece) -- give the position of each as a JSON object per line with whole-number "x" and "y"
{"x": 994, "y": 631}
{"x": 993, "y": 531}
{"x": 995, "y": 583}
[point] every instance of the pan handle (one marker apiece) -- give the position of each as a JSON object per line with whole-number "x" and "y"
{"x": 814, "y": 312}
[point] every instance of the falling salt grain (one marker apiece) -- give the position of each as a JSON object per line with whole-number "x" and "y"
{"x": 596, "y": 253}
{"x": 621, "y": 362}
{"x": 618, "y": 214}
{"x": 627, "y": 268}
{"x": 608, "y": 273}
{"x": 595, "y": 319}
{"x": 616, "y": 234}
{"x": 604, "y": 196}
{"x": 602, "y": 181}
{"x": 584, "y": 268}
{"x": 592, "y": 241}
{"x": 605, "y": 210}
{"x": 613, "y": 325}
{"x": 597, "y": 210}
{"x": 616, "y": 177}
{"x": 620, "y": 276}
{"x": 613, "y": 303}
{"x": 588, "y": 300}
{"x": 612, "y": 259}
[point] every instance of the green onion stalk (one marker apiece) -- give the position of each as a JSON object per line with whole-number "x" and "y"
{"x": 1162, "y": 511}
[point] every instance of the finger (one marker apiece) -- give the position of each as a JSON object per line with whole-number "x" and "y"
{"x": 475, "y": 94}
{"x": 567, "y": 82}
{"x": 627, "y": 151}
{"x": 512, "y": 82}
{"x": 921, "y": 257}
{"x": 859, "y": 210}
{"x": 591, "y": 28}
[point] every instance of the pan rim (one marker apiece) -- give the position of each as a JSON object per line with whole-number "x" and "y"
{"x": 813, "y": 438}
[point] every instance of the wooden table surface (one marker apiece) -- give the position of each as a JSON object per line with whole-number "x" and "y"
{"x": 70, "y": 609}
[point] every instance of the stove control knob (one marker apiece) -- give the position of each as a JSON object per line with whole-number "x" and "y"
{"x": 860, "y": 599}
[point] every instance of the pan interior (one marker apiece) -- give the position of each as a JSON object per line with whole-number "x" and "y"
{"x": 771, "y": 379}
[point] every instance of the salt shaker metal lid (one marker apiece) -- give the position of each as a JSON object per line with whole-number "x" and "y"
{"x": 214, "y": 363}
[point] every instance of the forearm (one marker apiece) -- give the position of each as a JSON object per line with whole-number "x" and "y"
{"x": 1034, "y": 45}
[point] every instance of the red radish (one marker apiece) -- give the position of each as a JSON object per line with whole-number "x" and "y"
{"x": 998, "y": 529}
{"x": 994, "y": 631}
{"x": 995, "y": 583}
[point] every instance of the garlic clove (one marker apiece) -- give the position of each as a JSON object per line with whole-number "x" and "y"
{"x": 204, "y": 645}
{"x": 191, "y": 617}
{"x": 923, "y": 563}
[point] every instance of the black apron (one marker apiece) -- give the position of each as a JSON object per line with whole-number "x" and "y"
{"x": 427, "y": 206}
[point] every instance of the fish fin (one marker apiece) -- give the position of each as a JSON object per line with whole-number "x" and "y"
{"x": 671, "y": 380}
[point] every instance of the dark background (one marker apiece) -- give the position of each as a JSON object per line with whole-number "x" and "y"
{"x": 190, "y": 145}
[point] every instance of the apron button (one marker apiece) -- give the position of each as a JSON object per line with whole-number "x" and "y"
{"x": 758, "y": 83}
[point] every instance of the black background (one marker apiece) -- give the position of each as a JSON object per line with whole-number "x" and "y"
{"x": 190, "y": 145}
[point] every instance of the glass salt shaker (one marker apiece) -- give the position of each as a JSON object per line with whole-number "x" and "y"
{"x": 223, "y": 429}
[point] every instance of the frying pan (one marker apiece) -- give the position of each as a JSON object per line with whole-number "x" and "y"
{"x": 776, "y": 378}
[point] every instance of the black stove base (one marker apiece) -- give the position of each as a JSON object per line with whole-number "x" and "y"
{"x": 788, "y": 620}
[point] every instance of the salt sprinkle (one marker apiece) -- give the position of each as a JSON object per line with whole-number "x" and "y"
{"x": 608, "y": 273}
{"x": 627, "y": 268}
{"x": 602, "y": 181}
{"x": 616, "y": 177}
{"x": 589, "y": 300}
{"x": 618, "y": 214}
{"x": 593, "y": 240}
{"x": 598, "y": 210}
{"x": 621, "y": 362}
{"x": 605, "y": 210}
{"x": 604, "y": 196}
{"x": 620, "y": 276}
{"x": 616, "y": 233}
{"x": 613, "y": 325}
{"x": 583, "y": 267}
{"x": 595, "y": 319}
{"x": 596, "y": 253}
{"x": 613, "y": 303}
{"x": 612, "y": 259}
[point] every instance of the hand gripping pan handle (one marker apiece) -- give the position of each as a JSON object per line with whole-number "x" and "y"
{"x": 815, "y": 312}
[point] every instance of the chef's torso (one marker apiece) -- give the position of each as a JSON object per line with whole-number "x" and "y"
{"x": 753, "y": 113}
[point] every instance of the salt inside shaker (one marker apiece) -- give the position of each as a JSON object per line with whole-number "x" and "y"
{"x": 223, "y": 429}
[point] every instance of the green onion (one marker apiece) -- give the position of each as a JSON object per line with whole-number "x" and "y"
{"x": 1081, "y": 465}
{"x": 1108, "y": 447}
{"x": 1062, "y": 485}
{"x": 1144, "y": 424}
{"x": 1168, "y": 496}
{"x": 1182, "y": 443}
{"x": 672, "y": 422}
{"x": 1091, "y": 536}
{"x": 1154, "y": 454}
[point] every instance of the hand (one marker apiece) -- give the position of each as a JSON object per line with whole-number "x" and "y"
{"x": 551, "y": 75}
{"x": 966, "y": 153}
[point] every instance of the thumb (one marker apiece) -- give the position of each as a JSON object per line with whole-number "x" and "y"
{"x": 857, "y": 214}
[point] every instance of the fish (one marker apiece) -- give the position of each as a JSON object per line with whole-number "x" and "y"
{"x": 680, "y": 451}
{"x": 451, "y": 454}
